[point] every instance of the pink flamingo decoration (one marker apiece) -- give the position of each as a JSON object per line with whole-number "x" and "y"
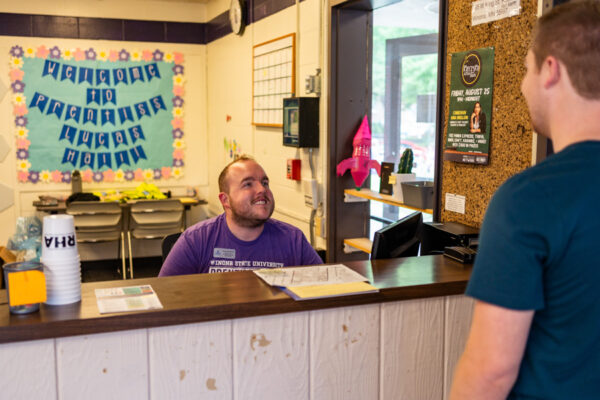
{"x": 360, "y": 164}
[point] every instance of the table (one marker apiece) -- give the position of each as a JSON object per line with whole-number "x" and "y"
{"x": 233, "y": 333}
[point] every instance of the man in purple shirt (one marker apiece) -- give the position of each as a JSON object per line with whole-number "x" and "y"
{"x": 245, "y": 236}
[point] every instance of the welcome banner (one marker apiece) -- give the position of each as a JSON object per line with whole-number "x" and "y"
{"x": 115, "y": 115}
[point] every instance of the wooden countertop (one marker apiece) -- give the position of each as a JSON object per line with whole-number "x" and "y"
{"x": 210, "y": 297}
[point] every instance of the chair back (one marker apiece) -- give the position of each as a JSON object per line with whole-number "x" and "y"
{"x": 168, "y": 243}
{"x": 96, "y": 221}
{"x": 151, "y": 219}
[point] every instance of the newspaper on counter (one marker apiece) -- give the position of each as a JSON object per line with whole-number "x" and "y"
{"x": 308, "y": 276}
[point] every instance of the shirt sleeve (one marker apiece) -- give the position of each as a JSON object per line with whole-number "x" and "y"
{"x": 309, "y": 255}
{"x": 181, "y": 259}
{"x": 515, "y": 241}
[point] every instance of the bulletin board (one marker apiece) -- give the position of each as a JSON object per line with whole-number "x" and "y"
{"x": 114, "y": 114}
{"x": 273, "y": 79}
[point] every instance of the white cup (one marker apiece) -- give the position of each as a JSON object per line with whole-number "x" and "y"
{"x": 58, "y": 237}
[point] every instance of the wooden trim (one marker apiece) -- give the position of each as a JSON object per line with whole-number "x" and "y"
{"x": 383, "y": 198}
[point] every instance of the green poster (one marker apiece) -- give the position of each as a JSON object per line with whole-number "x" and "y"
{"x": 470, "y": 108}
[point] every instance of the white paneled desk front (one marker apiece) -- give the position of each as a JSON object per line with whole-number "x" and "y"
{"x": 231, "y": 336}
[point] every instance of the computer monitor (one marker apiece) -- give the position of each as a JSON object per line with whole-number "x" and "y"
{"x": 400, "y": 239}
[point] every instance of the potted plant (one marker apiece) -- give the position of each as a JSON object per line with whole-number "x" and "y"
{"x": 404, "y": 174}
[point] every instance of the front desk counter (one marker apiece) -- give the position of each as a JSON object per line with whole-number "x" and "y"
{"x": 231, "y": 336}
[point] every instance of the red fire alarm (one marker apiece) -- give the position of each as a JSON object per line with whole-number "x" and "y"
{"x": 293, "y": 169}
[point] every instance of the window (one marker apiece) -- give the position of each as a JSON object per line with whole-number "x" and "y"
{"x": 404, "y": 93}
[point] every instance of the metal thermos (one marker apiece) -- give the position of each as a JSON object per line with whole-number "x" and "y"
{"x": 76, "y": 182}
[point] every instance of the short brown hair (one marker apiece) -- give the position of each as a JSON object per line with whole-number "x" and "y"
{"x": 571, "y": 33}
{"x": 223, "y": 186}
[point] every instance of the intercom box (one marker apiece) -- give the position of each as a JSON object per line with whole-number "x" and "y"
{"x": 301, "y": 122}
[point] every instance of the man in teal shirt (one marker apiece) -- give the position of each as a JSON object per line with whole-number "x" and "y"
{"x": 536, "y": 323}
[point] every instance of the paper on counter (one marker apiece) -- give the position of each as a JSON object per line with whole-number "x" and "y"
{"x": 305, "y": 276}
{"x": 126, "y": 299}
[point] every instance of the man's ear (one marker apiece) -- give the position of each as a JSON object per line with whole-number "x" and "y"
{"x": 551, "y": 70}
{"x": 224, "y": 199}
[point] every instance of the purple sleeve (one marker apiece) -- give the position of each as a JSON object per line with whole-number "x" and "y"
{"x": 309, "y": 255}
{"x": 181, "y": 259}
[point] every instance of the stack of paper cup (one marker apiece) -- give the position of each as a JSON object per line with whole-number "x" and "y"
{"x": 61, "y": 260}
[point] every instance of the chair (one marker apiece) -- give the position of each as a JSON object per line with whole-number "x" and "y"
{"x": 168, "y": 243}
{"x": 153, "y": 219}
{"x": 97, "y": 222}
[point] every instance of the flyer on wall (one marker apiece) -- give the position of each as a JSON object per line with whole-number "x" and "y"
{"x": 470, "y": 107}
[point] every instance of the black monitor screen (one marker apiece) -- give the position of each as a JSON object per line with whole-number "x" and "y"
{"x": 400, "y": 239}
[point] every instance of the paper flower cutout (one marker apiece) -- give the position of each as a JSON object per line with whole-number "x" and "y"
{"x": 178, "y": 163}
{"x": 158, "y": 55}
{"x": 19, "y": 99}
{"x": 23, "y": 144}
{"x": 23, "y": 165}
{"x": 20, "y": 110}
{"x": 78, "y": 54}
{"x": 177, "y": 112}
{"x": 34, "y": 176}
{"x": 21, "y": 132}
{"x": 90, "y": 54}
{"x": 178, "y": 90}
{"x": 177, "y": 123}
{"x": 129, "y": 175}
{"x": 178, "y": 57}
{"x": 16, "y": 62}
{"x": 178, "y": 154}
{"x": 29, "y": 52}
{"x": 45, "y": 176}
{"x": 42, "y": 52}
{"x": 168, "y": 57}
{"x": 102, "y": 55}
{"x": 67, "y": 54}
{"x": 87, "y": 175}
{"x": 178, "y": 144}
{"x": 16, "y": 74}
{"x": 22, "y": 176}
{"x": 147, "y": 55}
{"x": 22, "y": 154}
{"x": 157, "y": 174}
{"x": 148, "y": 174}
{"x": 124, "y": 55}
{"x": 166, "y": 172}
{"x": 177, "y": 101}
{"x": 21, "y": 121}
{"x": 119, "y": 175}
{"x": 109, "y": 175}
{"x": 177, "y": 173}
{"x": 113, "y": 55}
{"x": 177, "y": 133}
{"x": 178, "y": 69}
{"x": 57, "y": 176}
{"x": 139, "y": 174}
{"x": 66, "y": 177}
{"x": 17, "y": 86}
{"x": 178, "y": 80}
{"x": 136, "y": 55}
{"x": 16, "y": 51}
{"x": 98, "y": 176}
{"x": 55, "y": 53}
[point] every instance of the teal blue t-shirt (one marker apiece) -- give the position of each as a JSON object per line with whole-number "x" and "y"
{"x": 540, "y": 250}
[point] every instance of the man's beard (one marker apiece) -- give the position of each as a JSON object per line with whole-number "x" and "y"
{"x": 249, "y": 221}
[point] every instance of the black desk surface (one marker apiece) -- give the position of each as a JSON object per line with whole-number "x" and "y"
{"x": 209, "y": 297}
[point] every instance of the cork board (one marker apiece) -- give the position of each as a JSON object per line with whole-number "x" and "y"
{"x": 511, "y": 130}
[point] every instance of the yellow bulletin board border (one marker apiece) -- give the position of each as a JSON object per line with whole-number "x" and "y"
{"x": 273, "y": 79}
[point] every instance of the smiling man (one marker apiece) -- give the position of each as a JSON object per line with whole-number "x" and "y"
{"x": 245, "y": 236}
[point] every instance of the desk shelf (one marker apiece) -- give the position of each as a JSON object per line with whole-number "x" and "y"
{"x": 352, "y": 245}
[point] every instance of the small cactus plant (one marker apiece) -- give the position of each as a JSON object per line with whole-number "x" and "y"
{"x": 406, "y": 162}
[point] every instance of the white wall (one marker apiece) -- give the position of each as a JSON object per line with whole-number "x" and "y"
{"x": 218, "y": 84}
{"x": 230, "y": 93}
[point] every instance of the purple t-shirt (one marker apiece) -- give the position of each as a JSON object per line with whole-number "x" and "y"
{"x": 209, "y": 246}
